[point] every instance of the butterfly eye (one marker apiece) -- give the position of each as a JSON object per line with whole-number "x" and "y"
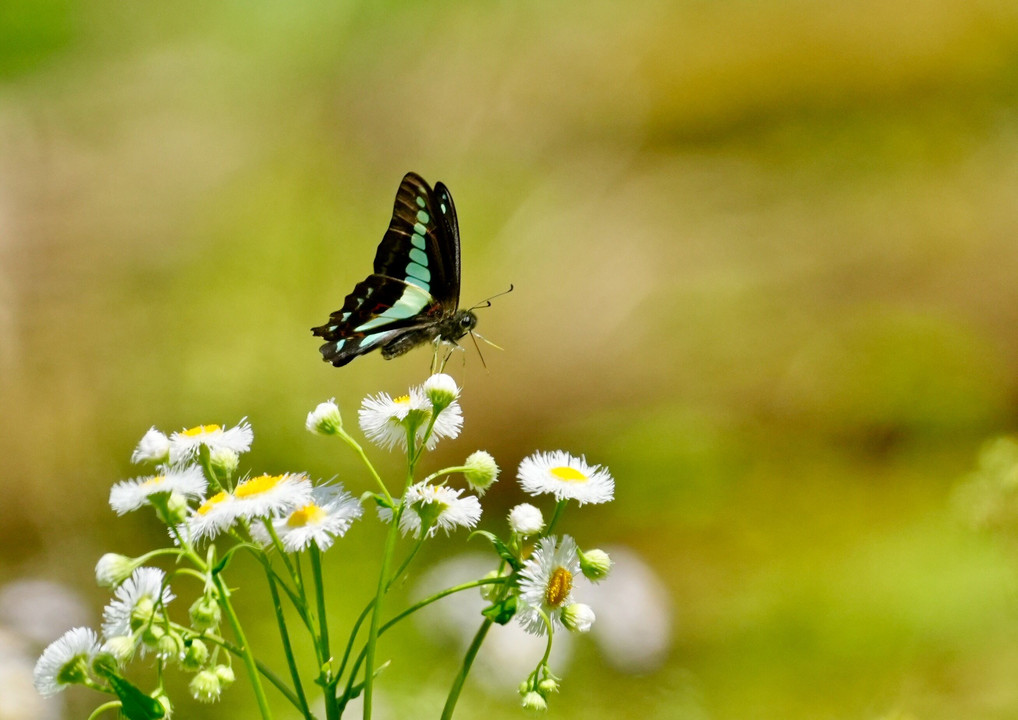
{"x": 467, "y": 321}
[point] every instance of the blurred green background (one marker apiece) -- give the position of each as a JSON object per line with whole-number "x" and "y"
{"x": 765, "y": 262}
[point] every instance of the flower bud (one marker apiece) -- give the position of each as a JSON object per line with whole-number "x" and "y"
{"x": 205, "y": 614}
{"x": 112, "y": 569}
{"x": 169, "y": 646}
{"x": 441, "y": 390}
{"x": 196, "y": 656}
{"x": 534, "y": 701}
{"x": 325, "y": 419}
{"x": 525, "y": 519}
{"x": 120, "y": 647}
{"x": 224, "y": 461}
{"x": 154, "y": 447}
{"x": 481, "y": 471}
{"x": 205, "y": 686}
{"x": 595, "y": 564}
{"x": 578, "y": 617}
{"x": 548, "y": 686}
{"x": 225, "y": 675}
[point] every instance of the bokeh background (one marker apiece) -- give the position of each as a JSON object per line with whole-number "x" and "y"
{"x": 765, "y": 258}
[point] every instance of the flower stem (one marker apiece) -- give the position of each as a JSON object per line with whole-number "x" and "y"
{"x": 376, "y": 614}
{"x": 285, "y": 637}
{"x": 355, "y": 446}
{"x": 461, "y": 676}
{"x": 245, "y": 649}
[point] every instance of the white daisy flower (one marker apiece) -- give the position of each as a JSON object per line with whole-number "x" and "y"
{"x": 154, "y": 446}
{"x": 525, "y": 519}
{"x": 65, "y": 661}
{"x": 271, "y": 495}
{"x": 328, "y": 516}
{"x": 325, "y": 419}
{"x": 546, "y": 583}
{"x": 437, "y": 506}
{"x": 184, "y": 445}
{"x": 566, "y": 477}
{"x": 144, "y": 591}
{"x": 212, "y": 517}
{"x": 129, "y": 495}
{"x": 384, "y": 419}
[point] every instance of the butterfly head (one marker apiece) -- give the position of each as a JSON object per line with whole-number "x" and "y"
{"x": 459, "y": 325}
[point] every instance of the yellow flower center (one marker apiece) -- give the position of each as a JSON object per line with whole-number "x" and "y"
{"x": 308, "y": 515}
{"x": 559, "y": 585}
{"x": 568, "y": 474}
{"x": 211, "y": 503}
{"x": 257, "y": 486}
{"x": 200, "y": 430}
{"x": 158, "y": 480}
{"x": 404, "y": 399}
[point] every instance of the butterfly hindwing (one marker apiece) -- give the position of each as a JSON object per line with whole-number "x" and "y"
{"x": 415, "y": 286}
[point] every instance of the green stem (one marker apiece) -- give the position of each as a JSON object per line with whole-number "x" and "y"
{"x": 355, "y": 446}
{"x": 245, "y": 649}
{"x": 325, "y": 650}
{"x": 556, "y": 516}
{"x": 113, "y": 705}
{"x": 411, "y": 610}
{"x": 461, "y": 676}
{"x": 284, "y": 635}
{"x": 383, "y": 575}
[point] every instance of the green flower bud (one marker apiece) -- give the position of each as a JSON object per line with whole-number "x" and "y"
{"x": 578, "y": 617}
{"x": 325, "y": 419}
{"x": 441, "y": 390}
{"x": 534, "y": 701}
{"x": 481, "y": 471}
{"x": 112, "y": 569}
{"x": 225, "y": 675}
{"x": 205, "y": 614}
{"x": 196, "y": 656}
{"x": 595, "y": 564}
{"x": 205, "y": 686}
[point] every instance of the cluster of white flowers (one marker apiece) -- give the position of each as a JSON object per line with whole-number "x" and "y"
{"x": 193, "y": 491}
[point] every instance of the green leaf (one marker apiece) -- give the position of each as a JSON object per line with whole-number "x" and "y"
{"x": 501, "y": 548}
{"x": 501, "y": 612}
{"x": 134, "y": 704}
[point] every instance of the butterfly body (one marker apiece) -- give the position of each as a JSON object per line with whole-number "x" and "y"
{"x": 413, "y": 295}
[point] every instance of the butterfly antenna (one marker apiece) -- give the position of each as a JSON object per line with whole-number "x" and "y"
{"x": 487, "y": 303}
{"x": 474, "y": 337}
{"x": 497, "y": 347}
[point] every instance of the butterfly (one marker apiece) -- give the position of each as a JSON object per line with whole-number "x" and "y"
{"x": 413, "y": 295}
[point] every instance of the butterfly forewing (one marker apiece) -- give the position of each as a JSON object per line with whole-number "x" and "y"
{"x": 416, "y": 280}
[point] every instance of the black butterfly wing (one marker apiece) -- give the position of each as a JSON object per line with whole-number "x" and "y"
{"x": 416, "y": 278}
{"x": 422, "y": 244}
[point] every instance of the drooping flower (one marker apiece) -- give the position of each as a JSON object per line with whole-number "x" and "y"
{"x": 566, "y": 477}
{"x": 65, "y": 661}
{"x": 546, "y": 583}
